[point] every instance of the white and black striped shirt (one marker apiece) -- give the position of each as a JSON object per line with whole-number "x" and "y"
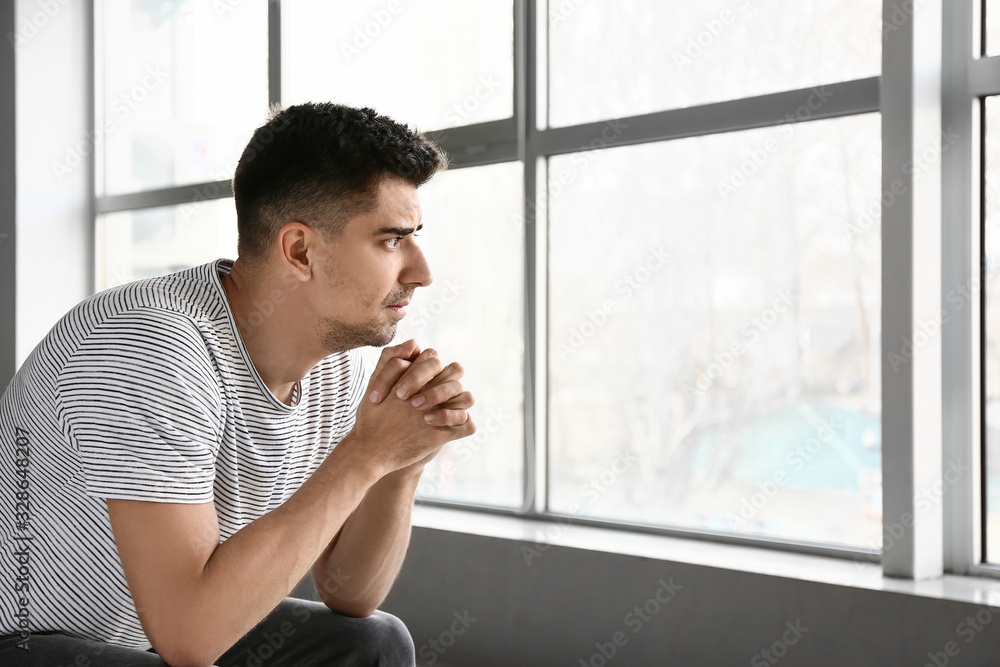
{"x": 144, "y": 392}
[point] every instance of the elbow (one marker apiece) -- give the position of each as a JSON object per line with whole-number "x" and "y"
{"x": 183, "y": 657}
{"x": 178, "y": 650}
{"x": 352, "y": 608}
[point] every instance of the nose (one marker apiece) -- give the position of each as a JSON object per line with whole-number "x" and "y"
{"x": 417, "y": 271}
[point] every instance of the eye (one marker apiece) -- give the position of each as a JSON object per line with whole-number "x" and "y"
{"x": 393, "y": 243}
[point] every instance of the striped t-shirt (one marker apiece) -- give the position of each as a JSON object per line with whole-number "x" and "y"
{"x": 144, "y": 392}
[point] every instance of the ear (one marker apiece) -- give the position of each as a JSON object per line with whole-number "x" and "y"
{"x": 298, "y": 244}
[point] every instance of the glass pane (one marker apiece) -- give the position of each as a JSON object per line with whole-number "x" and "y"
{"x": 400, "y": 58}
{"x": 991, "y": 316}
{"x": 473, "y": 313}
{"x": 714, "y": 333}
{"x": 156, "y": 241}
{"x": 609, "y": 60}
{"x": 992, "y": 22}
{"x": 184, "y": 86}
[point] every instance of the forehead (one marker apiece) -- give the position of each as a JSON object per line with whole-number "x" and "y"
{"x": 398, "y": 206}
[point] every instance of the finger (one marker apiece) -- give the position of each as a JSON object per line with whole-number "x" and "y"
{"x": 453, "y": 371}
{"x": 440, "y": 394}
{"x": 383, "y": 380}
{"x": 446, "y": 417}
{"x": 460, "y": 431}
{"x": 425, "y": 368}
{"x": 408, "y": 351}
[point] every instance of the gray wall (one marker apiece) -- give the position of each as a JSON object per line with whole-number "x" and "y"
{"x": 8, "y": 204}
{"x": 554, "y": 612}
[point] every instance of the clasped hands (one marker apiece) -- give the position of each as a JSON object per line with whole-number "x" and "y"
{"x": 414, "y": 405}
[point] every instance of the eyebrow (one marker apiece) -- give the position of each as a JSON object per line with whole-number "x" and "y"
{"x": 398, "y": 231}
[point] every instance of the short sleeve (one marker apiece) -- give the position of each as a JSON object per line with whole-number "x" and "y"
{"x": 140, "y": 401}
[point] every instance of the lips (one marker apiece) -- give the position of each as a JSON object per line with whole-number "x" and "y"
{"x": 398, "y": 308}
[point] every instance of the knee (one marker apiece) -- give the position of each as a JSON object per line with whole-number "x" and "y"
{"x": 386, "y": 641}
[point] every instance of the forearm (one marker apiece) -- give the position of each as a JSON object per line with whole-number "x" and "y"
{"x": 356, "y": 572}
{"x": 252, "y": 571}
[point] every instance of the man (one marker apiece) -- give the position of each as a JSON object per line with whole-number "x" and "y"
{"x": 180, "y": 451}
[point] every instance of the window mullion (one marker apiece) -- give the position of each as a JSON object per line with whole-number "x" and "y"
{"x": 911, "y": 290}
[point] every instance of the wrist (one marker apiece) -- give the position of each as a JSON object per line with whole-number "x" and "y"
{"x": 351, "y": 453}
{"x": 408, "y": 476}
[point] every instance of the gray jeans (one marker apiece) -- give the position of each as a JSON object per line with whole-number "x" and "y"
{"x": 299, "y": 633}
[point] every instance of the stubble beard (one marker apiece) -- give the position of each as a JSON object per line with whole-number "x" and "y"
{"x": 339, "y": 336}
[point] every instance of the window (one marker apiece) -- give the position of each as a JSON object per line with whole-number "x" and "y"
{"x": 398, "y": 57}
{"x": 667, "y": 250}
{"x": 166, "y": 72}
{"x": 611, "y": 60}
{"x": 714, "y": 333}
{"x": 148, "y": 242}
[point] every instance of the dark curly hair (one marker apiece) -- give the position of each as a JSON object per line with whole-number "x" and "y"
{"x": 320, "y": 163}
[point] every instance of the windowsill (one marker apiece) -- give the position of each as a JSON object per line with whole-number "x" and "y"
{"x": 820, "y": 569}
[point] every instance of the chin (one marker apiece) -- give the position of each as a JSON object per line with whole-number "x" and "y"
{"x": 383, "y": 337}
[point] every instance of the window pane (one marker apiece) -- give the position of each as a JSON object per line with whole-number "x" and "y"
{"x": 991, "y": 249}
{"x": 473, "y": 313}
{"x": 184, "y": 86}
{"x": 609, "y": 60}
{"x": 714, "y": 333}
{"x": 992, "y": 21}
{"x": 155, "y": 241}
{"x": 400, "y": 58}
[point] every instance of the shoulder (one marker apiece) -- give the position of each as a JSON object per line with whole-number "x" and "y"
{"x": 163, "y": 322}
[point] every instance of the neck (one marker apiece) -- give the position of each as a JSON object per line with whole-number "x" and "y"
{"x": 277, "y": 347}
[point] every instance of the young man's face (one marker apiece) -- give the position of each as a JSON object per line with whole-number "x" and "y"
{"x": 371, "y": 271}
